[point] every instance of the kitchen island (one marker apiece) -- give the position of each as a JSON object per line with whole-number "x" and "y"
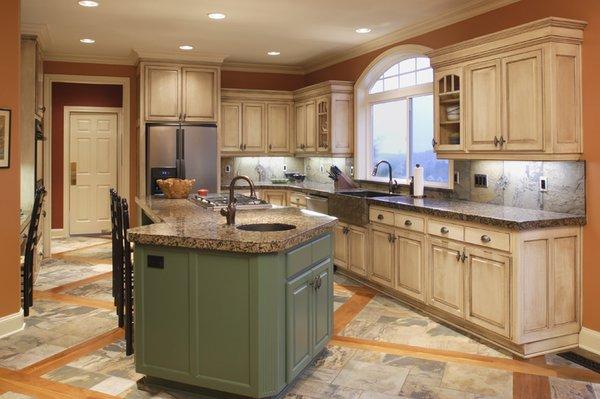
{"x": 228, "y": 310}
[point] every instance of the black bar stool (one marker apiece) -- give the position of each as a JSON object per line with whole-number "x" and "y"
{"x": 33, "y": 237}
{"x": 128, "y": 277}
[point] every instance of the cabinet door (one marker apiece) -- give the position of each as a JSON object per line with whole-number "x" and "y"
{"x": 231, "y": 126}
{"x": 522, "y": 101}
{"x": 253, "y": 127}
{"x": 278, "y": 197}
{"x": 410, "y": 264}
{"x": 483, "y": 100}
{"x": 299, "y": 293}
{"x": 300, "y": 116}
{"x": 357, "y": 250}
{"x": 446, "y": 276}
{"x": 278, "y": 127}
{"x": 200, "y": 90}
{"x": 382, "y": 255}
{"x": 322, "y": 305}
{"x": 449, "y": 99}
{"x": 163, "y": 94}
{"x": 340, "y": 245}
{"x": 323, "y": 132}
{"x": 488, "y": 290}
{"x": 342, "y": 124}
{"x": 311, "y": 127}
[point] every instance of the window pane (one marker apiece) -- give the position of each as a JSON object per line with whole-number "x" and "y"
{"x": 377, "y": 87}
{"x": 390, "y": 136}
{"x": 422, "y": 62}
{"x": 425, "y": 76}
{"x": 407, "y": 80}
{"x": 392, "y": 71}
{"x": 422, "y": 134}
{"x": 390, "y": 83}
{"x": 407, "y": 65}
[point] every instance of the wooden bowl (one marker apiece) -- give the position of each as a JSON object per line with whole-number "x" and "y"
{"x": 176, "y": 188}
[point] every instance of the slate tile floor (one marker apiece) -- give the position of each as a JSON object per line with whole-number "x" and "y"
{"x": 340, "y": 371}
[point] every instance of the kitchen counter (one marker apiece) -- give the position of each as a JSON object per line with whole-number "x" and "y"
{"x": 181, "y": 223}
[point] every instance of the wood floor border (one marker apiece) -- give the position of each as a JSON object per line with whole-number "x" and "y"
{"x": 75, "y": 300}
{"x": 67, "y": 356}
{"x": 79, "y": 249}
{"x": 79, "y": 283}
{"x": 84, "y": 259}
{"x": 349, "y": 309}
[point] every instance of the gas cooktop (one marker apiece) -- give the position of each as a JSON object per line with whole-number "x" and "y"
{"x": 218, "y": 201}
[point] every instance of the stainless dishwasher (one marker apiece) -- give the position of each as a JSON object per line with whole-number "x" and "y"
{"x": 317, "y": 204}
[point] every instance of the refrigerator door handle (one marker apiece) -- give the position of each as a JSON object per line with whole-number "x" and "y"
{"x": 182, "y": 153}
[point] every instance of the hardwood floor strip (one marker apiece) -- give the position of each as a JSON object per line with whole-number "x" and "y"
{"x": 79, "y": 283}
{"x": 527, "y": 386}
{"x": 348, "y": 311}
{"x": 41, "y": 388}
{"x": 461, "y": 357}
{"x": 73, "y": 353}
{"x": 76, "y": 300}
{"x": 84, "y": 259}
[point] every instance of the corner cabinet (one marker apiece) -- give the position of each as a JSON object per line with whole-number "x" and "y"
{"x": 520, "y": 96}
{"x": 178, "y": 93}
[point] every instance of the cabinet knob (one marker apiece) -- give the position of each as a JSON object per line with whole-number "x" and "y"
{"x": 502, "y": 141}
{"x": 458, "y": 256}
{"x": 380, "y": 217}
{"x": 242, "y": 147}
{"x": 496, "y": 141}
{"x": 485, "y": 238}
{"x": 407, "y": 223}
{"x": 464, "y": 257}
{"x": 444, "y": 230}
{"x": 270, "y": 146}
{"x": 245, "y": 146}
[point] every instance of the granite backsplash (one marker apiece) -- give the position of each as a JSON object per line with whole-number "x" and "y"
{"x": 510, "y": 183}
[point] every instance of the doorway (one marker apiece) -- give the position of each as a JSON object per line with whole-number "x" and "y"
{"x": 91, "y": 168}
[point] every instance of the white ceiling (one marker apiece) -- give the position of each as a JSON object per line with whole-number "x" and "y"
{"x": 304, "y": 31}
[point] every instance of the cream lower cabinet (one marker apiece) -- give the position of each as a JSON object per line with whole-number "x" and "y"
{"x": 383, "y": 255}
{"x": 446, "y": 276}
{"x": 410, "y": 264}
{"x": 275, "y": 197}
{"x": 350, "y": 248}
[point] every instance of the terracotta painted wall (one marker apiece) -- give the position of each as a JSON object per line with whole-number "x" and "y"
{"x": 262, "y": 81}
{"x": 73, "y": 94}
{"x": 512, "y": 15}
{"x": 9, "y": 200}
{"x": 128, "y": 71}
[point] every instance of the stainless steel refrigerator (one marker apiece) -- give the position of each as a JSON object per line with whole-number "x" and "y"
{"x": 182, "y": 151}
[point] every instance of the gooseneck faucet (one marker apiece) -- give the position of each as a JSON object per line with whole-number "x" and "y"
{"x": 393, "y": 183}
{"x": 229, "y": 212}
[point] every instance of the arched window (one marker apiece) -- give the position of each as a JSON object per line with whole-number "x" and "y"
{"x": 394, "y": 118}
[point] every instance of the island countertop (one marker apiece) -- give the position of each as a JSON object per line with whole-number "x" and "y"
{"x": 181, "y": 223}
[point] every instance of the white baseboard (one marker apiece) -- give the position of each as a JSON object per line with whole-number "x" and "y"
{"x": 11, "y": 324}
{"x": 589, "y": 340}
{"x": 58, "y": 233}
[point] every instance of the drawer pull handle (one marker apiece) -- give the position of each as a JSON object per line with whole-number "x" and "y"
{"x": 380, "y": 217}
{"x": 458, "y": 256}
{"x": 486, "y": 239}
{"x": 407, "y": 223}
{"x": 444, "y": 230}
{"x": 464, "y": 257}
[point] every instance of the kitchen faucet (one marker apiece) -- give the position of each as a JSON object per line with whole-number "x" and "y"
{"x": 392, "y": 184}
{"x": 229, "y": 212}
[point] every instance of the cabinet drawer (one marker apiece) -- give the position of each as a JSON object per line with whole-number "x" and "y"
{"x": 298, "y": 199}
{"x": 447, "y": 230}
{"x": 302, "y": 257}
{"x": 409, "y": 222}
{"x": 379, "y": 215}
{"x": 487, "y": 238}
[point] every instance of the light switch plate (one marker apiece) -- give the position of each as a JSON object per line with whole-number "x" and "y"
{"x": 456, "y": 177}
{"x": 480, "y": 181}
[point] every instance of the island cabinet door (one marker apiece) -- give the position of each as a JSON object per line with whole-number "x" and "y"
{"x": 446, "y": 276}
{"x": 322, "y": 305}
{"x": 299, "y": 292}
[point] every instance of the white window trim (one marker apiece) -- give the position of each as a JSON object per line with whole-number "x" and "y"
{"x": 362, "y": 109}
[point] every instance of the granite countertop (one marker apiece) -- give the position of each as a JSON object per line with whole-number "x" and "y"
{"x": 181, "y": 223}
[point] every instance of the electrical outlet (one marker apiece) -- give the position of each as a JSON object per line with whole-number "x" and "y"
{"x": 351, "y": 170}
{"x": 322, "y": 168}
{"x": 228, "y": 169}
{"x": 456, "y": 177}
{"x": 284, "y": 167}
{"x": 480, "y": 180}
{"x": 543, "y": 184}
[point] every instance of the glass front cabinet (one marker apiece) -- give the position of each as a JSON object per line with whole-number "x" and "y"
{"x": 449, "y": 127}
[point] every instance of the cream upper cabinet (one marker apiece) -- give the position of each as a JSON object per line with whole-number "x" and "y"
{"x": 483, "y": 106}
{"x": 200, "y": 91}
{"x": 300, "y": 126}
{"x": 448, "y": 118}
{"x": 162, "y": 93}
{"x": 231, "y": 126}
{"x": 253, "y": 127}
{"x": 446, "y": 276}
{"x": 357, "y": 250}
{"x": 180, "y": 93}
{"x": 522, "y": 94}
{"x": 382, "y": 255}
{"x": 310, "y": 139}
{"x": 410, "y": 264}
{"x": 279, "y": 119}
{"x": 488, "y": 290}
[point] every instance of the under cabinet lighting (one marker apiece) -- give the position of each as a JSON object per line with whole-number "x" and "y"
{"x": 363, "y": 30}
{"x": 273, "y": 53}
{"x": 87, "y": 41}
{"x": 216, "y": 15}
{"x": 186, "y": 47}
{"x": 88, "y": 3}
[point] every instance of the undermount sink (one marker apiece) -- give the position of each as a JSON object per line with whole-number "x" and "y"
{"x": 366, "y": 194}
{"x": 265, "y": 227}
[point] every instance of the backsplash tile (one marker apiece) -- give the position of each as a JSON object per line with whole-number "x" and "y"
{"x": 259, "y": 169}
{"x": 313, "y": 166}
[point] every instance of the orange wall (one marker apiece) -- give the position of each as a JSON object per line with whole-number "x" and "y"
{"x": 128, "y": 71}
{"x": 262, "y": 81}
{"x": 512, "y": 15}
{"x": 10, "y": 79}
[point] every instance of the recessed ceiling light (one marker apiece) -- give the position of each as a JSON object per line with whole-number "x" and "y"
{"x": 186, "y": 47}
{"x": 273, "y": 53}
{"x": 88, "y": 3}
{"x": 216, "y": 15}
{"x": 363, "y": 30}
{"x": 87, "y": 41}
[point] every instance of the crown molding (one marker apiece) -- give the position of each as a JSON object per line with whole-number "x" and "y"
{"x": 181, "y": 56}
{"x": 38, "y": 30}
{"x": 263, "y": 68}
{"x": 470, "y": 9}
{"x": 131, "y": 59}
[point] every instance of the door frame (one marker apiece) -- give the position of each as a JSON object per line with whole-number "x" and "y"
{"x": 49, "y": 79}
{"x": 68, "y": 110}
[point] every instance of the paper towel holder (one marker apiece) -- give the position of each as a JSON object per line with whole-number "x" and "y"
{"x": 412, "y": 188}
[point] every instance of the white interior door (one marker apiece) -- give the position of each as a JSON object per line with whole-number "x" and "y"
{"x": 93, "y": 170}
